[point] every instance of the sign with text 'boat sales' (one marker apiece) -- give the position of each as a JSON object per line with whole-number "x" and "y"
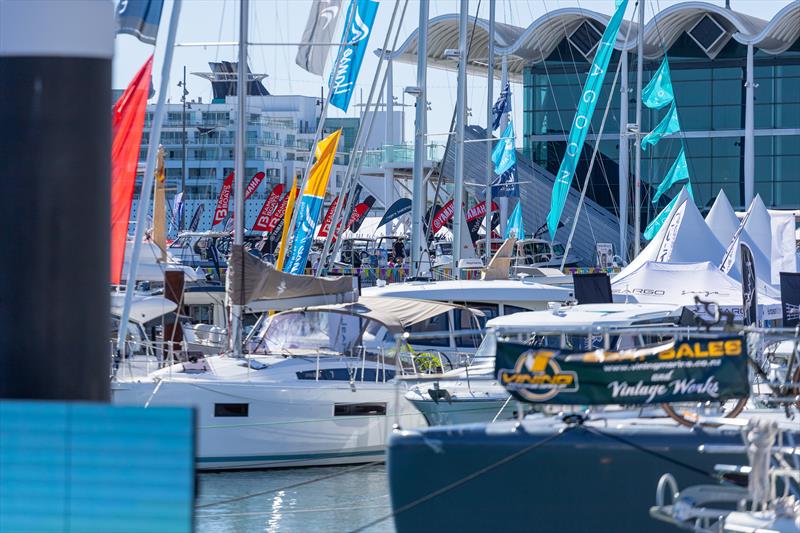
{"x": 688, "y": 370}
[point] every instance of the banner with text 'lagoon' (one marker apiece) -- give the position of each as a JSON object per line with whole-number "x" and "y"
{"x": 583, "y": 119}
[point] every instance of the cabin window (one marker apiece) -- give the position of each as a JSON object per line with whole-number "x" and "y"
{"x": 511, "y": 309}
{"x": 201, "y": 314}
{"x": 436, "y": 324}
{"x": 359, "y": 409}
{"x": 231, "y": 409}
{"x": 343, "y": 374}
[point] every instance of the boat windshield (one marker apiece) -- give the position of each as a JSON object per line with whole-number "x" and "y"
{"x": 303, "y": 332}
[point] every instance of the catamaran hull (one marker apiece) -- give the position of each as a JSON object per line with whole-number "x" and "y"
{"x": 263, "y": 425}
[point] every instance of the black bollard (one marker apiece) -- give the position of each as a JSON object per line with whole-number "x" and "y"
{"x": 55, "y": 168}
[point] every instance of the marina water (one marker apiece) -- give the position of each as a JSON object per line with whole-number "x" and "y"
{"x": 351, "y": 499}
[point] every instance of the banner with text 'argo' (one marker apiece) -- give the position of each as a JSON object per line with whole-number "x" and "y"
{"x": 686, "y": 370}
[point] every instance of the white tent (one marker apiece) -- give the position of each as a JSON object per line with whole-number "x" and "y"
{"x": 722, "y": 220}
{"x": 679, "y": 283}
{"x": 758, "y": 224}
{"x": 784, "y": 247}
{"x": 684, "y": 238}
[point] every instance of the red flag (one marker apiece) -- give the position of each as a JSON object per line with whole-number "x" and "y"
{"x": 443, "y": 216}
{"x": 277, "y": 215}
{"x": 224, "y": 199}
{"x": 328, "y": 220}
{"x": 479, "y": 211}
{"x": 255, "y": 181}
{"x": 269, "y": 207}
{"x": 360, "y": 214}
{"x": 127, "y": 120}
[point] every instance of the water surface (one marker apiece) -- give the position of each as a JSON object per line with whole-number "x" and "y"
{"x": 346, "y": 501}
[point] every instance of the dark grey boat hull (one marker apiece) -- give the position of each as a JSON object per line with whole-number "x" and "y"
{"x": 579, "y": 481}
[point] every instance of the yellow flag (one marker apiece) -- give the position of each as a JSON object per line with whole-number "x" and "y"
{"x": 287, "y": 219}
{"x": 159, "y": 207}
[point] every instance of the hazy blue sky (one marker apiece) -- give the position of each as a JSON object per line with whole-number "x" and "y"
{"x": 284, "y": 20}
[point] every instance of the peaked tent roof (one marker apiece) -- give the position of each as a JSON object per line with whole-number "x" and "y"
{"x": 722, "y": 219}
{"x": 684, "y": 238}
{"x": 758, "y": 224}
{"x": 679, "y": 283}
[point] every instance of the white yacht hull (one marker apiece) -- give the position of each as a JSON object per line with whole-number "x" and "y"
{"x": 287, "y": 424}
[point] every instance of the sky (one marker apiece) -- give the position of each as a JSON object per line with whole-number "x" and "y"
{"x": 284, "y": 20}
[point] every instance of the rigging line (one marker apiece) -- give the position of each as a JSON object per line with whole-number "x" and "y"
{"x": 287, "y": 487}
{"x": 465, "y": 479}
{"x": 598, "y": 139}
{"x": 219, "y": 33}
{"x": 594, "y": 156}
{"x": 450, "y": 137}
{"x": 649, "y": 451}
{"x": 353, "y": 168}
{"x": 589, "y": 174}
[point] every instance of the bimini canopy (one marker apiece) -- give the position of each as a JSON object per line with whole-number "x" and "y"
{"x": 397, "y": 314}
{"x": 144, "y": 308}
{"x": 257, "y": 280}
{"x": 679, "y": 283}
{"x": 151, "y": 267}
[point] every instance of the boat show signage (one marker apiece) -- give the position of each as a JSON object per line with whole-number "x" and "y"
{"x": 688, "y": 370}
{"x": 269, "y": 207}
{"x": 583, "y": 119}
{"x": 442, "y": 217}
{"x": 221, "y": 211}
{"x": 790, "y": 298}
{"x": 255, "y": 181}
{"x": 354, "y": 47}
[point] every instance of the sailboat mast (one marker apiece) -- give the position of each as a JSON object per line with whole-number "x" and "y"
{"x": 418, "y": 205}
{"x": 624, "y": 158}
{"x": 238, "y": 181}
{"x": 148, "y": 177}
{"x": 489, "y": 101}
{"x": 461, "y": 107}
{"x": 637, "y": 208}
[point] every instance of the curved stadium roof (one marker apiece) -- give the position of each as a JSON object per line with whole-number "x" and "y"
{"x": 525, "y": 46}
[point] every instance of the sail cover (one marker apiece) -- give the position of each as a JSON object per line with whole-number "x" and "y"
{"x": 250, "y": 279}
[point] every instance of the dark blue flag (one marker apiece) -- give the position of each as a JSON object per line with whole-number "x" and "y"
{"x": 506, "y": 184}
{"x": 139, "y": 18}
{"x": 501, "y": 106}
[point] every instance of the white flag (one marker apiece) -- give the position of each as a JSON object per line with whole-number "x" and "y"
{"x": 319, "y": 29}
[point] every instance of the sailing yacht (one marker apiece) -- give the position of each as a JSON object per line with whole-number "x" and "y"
{"x": 320, "y": 389}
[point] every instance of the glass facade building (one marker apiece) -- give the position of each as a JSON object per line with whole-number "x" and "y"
{"x": 710, "y": 94}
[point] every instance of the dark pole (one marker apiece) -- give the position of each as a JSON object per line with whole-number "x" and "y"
{"x": 55, "y": 163}
{"x": 183, "y": 141}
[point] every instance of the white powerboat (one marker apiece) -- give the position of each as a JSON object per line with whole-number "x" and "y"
{"x": 472, "y": 394}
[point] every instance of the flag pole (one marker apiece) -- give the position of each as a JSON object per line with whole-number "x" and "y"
{"x": 148, "y": 178}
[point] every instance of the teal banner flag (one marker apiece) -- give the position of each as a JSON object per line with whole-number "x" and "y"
{"x": 668, "y": 125}
{"x": 656, "y": 223}
{"x": 583, "y": 118}
{"x": 515, "y": 227}
{"x": 504, "y": 154}
{"x": 658, "y": 92}
{"x": 677, "y": 173}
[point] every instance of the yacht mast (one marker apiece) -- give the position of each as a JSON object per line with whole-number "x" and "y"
{"x": 489, "y": 120}
{"x": 235, "y": 337}
{"x": 148, "y": 177}
{"x": 418, "y": 206}
{"x": 637, "y": 208}
{"x": 461, "y": 106}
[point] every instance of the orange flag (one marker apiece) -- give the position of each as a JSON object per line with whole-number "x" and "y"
{"x": 128, "y": 123}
